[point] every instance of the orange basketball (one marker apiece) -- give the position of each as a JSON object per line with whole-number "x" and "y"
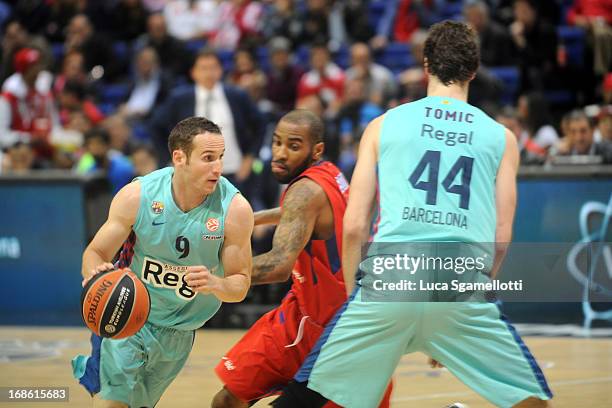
{"x": 115, "y": 304}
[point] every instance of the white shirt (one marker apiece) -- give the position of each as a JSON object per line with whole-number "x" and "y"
{"x": 185, "y": 22}
{"x": 143, "y": 95}
{"x": 546, "y": 136}
{"x": 221, "y": 114}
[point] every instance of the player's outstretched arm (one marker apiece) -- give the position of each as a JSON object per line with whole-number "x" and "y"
{"x": 236, "y": 257}
{"x": 109, "y": 238}
{"x": 505, "y": 199}
{"x": 271, "y": 216}
{"x": 301, "y": 207}
{"x": 357, "y": 218}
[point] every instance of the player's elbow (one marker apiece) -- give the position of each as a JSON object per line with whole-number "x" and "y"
{"x": 354, "y": 229}
{"x": 283, "y": 272}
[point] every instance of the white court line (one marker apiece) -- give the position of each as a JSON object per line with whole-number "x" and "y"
{"x": 466, "y": 393}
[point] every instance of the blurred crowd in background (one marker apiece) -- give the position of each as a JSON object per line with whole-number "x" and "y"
{"x": 98, "y": 85}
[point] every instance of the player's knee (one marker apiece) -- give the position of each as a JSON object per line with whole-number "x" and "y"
{"x": 225, "y": 399}
{"x": 534, "y": 403}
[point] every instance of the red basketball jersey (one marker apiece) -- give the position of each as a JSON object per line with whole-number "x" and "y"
{"x": 318, "y": 283}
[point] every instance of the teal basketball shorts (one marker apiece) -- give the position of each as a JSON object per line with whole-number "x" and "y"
{"x": 135, "y": 370}
{"x": 356, "y": 355}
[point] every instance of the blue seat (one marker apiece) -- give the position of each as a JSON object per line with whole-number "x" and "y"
{"x": 122, "y": 51}
{"x": 57, "y": 49}
{"x": 193, "y": 46}
{"x": 452, "y": 11}
{"x": 5, "y": 13}
{"x": 562, "y": 97}
{"x": 227, "y": 59}
{"x": 396, "y": 56}
{"x": 510, "y": 77}
{"x": 343, "y": 57}
{"x": 302, "y": 56}
{"x": 574, "y": 40}
{"x": 376, "y": 10}
{"x": 113, "y": 94}
{"x": 107, "y": 108}
{"x": 262, "y": 55}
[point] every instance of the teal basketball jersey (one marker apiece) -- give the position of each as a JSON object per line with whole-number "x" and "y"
{"x": 166, "y": 240}
{"x": 438, "y": 159}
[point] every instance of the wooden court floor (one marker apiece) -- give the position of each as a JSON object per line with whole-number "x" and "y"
{"x": 579, "y": 370}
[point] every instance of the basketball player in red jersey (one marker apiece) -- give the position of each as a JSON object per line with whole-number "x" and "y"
{"x": 307, "y": 245}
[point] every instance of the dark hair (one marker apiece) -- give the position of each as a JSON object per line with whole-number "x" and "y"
{"x": 576, "y": 115}
{"x": 181, "y": 137}
{"x": 145, "y": 147}
{"x": 538, "y": 113}
{"x": 75, "y": 88}
{"x": 452, "y": 52}
{"x": 207, "y": 52}
{"x": 316, "y": 128}
{"x": 97, "y": 133}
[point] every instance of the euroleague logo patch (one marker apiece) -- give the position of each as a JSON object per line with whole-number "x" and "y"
{"x": 212, "y": 224}
{"x": 157, "y": 207}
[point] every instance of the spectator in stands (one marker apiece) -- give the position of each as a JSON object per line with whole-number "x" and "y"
{"x": 322, "y": 24}
{"x": 19, "y": 158}
{"x": 148, "y": 87}
{"x": 413, "y": 81}
{"x": 378, "y": 80}
{"x": 99, "y": 57}
{"x": 402, "y": 18}
{"x": 17, "y": 37}
{"x": 247, "y": 75}
{"x": 496, "y": 48}
{"x": 144, "y": 159}
{"x": 325, "y": 79}
{"x": 62, "y": 13}
{"x": 283, "y": 76}
{"x": 33, "y": 15}
{"x": 355, "y": 18}
{"x": 503, "y": 10}
{"x": 98, "y": 156}
{"x": 354, "y": 115}
{"x": 533, "y": 112}
{"x": 74, "y": 105}
{"x": 27, "y": 111}
{"x": 531, "y": 152}
{"x": 227, "y": 106}
{"x": 595, "y": 16}
{"x": 173, "y": 56}
{"x": 128, "y": 20}
{"x": 603, "y": 132}
{"x": 73, "y": 69}
{"x": 607, "y": 88}
{"x": 191, "y": 19}
{"x": 580, "y": 139}
{"x": 239, "y": 22}
{"x": 120, "y": 133}
{"x": 281, "y": 20}
{"x": 536, "y": 44}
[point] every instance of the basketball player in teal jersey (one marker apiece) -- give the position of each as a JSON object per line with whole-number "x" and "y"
{"x": 187, "y": 235}
{"x": 413, "y": 156}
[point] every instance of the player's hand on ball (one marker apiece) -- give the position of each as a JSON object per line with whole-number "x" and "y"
{"x": 103, "y": 267}
{"x": 200, "y": 279}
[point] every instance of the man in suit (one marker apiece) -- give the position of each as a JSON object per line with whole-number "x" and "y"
{"x": 229, "y": 107}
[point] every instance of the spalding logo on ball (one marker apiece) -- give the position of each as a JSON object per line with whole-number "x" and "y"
{"x": 115, "y": 304}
